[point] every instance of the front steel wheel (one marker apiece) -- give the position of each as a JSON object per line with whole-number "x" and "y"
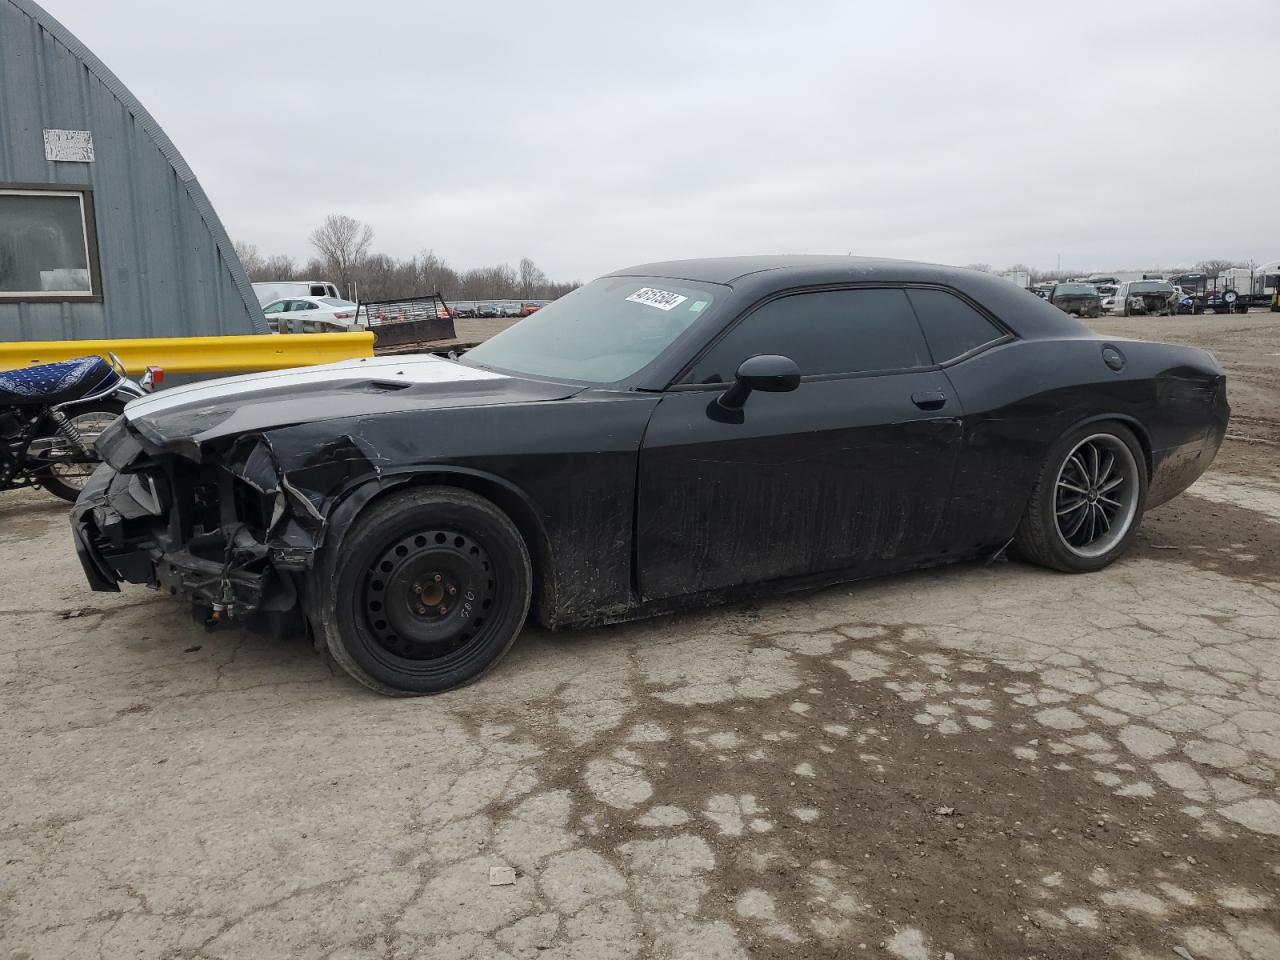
{"x": 430, "y": 588}
{"x": 428, "y": 595}
{"x": 1087, "y": 504}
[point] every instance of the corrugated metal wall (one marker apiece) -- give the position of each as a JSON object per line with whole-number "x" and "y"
{"x": 168, "y": 268}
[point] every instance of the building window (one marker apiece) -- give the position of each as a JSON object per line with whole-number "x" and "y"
{"x": 48, "y": 243}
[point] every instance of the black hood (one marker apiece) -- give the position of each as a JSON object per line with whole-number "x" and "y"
{"x": 216, "y": 409}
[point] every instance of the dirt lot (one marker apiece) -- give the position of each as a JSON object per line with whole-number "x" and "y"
{"x": 978, "y": 761}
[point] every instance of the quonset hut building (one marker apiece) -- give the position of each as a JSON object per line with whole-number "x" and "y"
{"x": 104, "y": 231}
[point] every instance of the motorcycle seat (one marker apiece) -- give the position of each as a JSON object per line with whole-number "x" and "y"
{"x": 53, "y": 383}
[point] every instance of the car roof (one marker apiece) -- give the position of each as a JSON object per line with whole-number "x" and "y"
{"x": 754, "y": 277}
{"x": 728, "y": 269}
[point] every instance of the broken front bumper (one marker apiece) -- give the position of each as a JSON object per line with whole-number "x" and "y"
{"x": 118, "y": 538}
{"x": 201, "y": 531}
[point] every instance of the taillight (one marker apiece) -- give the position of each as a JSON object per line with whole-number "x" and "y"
{"x": 152, "y": 377}
{"x": 344, "y": 316}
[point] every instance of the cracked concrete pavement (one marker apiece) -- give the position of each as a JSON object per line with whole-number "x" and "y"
{"x": 975, "y": 761}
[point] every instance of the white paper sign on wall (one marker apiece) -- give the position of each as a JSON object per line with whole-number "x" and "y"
{"x": 75, "y": 146}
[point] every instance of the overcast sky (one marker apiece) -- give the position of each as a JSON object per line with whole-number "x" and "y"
{"x": 589, "y": 137}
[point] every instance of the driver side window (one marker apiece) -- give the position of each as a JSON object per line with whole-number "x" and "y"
{"x": 833, "y": 331}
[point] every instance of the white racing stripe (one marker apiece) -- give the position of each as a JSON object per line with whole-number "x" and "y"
{"x": 410, "y": 368}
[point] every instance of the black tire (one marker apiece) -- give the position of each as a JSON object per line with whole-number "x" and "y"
{"x": 67, "y": 487}
{"x": 430, "y": 590}
{"x": 1042, "y": 540}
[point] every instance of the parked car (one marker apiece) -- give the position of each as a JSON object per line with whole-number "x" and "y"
{"x": 1146, "y": 298}
{"x": 1077, "y": 299}
{"x": 529, "y": 309}
{"x": 487, "y": 310}
{"x": 509, "y": 310}
{"x": 665, "y": 435}
{"x": 326, "y": 313}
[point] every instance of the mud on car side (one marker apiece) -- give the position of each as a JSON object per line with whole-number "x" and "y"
{"x": 668, "y": 435}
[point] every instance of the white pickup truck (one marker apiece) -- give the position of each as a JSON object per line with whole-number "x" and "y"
{"x": 272, "y": 290}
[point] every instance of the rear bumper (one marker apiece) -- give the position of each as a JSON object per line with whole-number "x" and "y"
{"x": 1176, "y": 468}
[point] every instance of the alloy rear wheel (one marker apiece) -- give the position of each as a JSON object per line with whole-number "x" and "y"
{"x": 1096, "y": 495}
{"x": 1086, "y": 507}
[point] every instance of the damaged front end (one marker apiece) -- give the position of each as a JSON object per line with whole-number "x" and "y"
{"x": 223, "y": 524}
{"x": 1145, "y": 304}
{"x": 1079, "y": 306}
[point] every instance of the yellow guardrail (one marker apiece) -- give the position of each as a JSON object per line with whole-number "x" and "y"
{"x": 198, "y": 354}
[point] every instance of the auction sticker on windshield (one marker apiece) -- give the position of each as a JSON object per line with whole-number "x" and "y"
{"x": 662, "y": 299}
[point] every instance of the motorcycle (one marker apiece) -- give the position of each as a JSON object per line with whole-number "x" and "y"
{"x": 50, "y": 415}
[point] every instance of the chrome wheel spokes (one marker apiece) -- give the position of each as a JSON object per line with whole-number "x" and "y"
{"x": 1096, "y": 495}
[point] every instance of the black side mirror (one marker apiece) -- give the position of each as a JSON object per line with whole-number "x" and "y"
{"x": 772, "y": 374}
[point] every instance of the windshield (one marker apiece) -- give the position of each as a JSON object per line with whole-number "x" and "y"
{"x": 600, "y": 333}
{"x": 1150, "y": 286}
{"x": 1075, "y": 290}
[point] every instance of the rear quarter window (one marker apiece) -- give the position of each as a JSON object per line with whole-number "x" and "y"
{"x": 951, "y": 326}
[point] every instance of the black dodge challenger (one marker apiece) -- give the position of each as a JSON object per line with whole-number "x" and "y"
{"x": 670, "y": 434}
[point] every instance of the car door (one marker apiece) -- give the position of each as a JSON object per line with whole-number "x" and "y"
{"x": 851, "y": 471}
{"x": 990, "y": 487}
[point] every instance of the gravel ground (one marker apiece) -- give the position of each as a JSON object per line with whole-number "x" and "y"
{"x": 979, "y": 761}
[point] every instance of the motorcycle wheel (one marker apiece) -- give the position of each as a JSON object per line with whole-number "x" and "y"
{"x": 66, "y": 480}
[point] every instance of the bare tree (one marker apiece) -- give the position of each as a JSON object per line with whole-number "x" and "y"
{"x": 250, "y": 257}
{"x": 380, "y": 277}
{"x": 1212, "y": 268}
{"x": 984, "y": 267}
{"x": 260, "y": 268}
{"x": 343, "y": 244}
{"x": 532, "y": 280}
{"x": 276, "y": 267}
{"x": 434, "y": 275}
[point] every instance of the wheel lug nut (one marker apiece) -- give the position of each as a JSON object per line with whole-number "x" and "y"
{"x": 442, "y": 609}
{"x": 452, "y": 590}
{"x": 436, "y": 578}
{"x": 417, "y": 588}
{"x": 422, "y": 609}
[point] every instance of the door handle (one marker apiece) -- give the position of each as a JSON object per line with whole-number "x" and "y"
{"x": 929, "y": 399}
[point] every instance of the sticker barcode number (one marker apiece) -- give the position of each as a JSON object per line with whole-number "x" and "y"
{"x": 662, "y": 299}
